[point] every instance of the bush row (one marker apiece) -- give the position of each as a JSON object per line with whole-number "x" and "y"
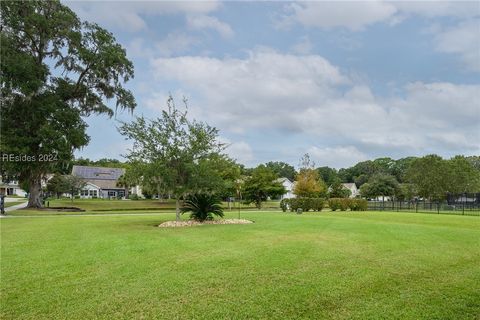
{"x": 343, "y": 204}
{"x": 306, "y": 204}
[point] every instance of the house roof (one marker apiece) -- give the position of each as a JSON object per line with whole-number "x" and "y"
{"x": 104, "y": 184}
{"x": 97, "y": 173}
{"x": 349, "y": 185}
{"x": 282, "y": 180}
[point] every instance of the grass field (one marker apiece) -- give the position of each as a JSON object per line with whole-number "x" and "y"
{"x": 112, "y": 205}
{"x": 127, "y": 206}
{"x": 351, "y": 265}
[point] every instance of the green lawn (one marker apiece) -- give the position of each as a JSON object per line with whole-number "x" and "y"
{"x": 350, "y": 265}
{"x": 127, "y": 206}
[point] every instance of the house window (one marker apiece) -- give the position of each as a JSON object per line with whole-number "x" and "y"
{"x": 93, "y": 193}
{"x": 121, "y": 193}
{"x": 112, "y": 194}
{"x": 84, "y": 193}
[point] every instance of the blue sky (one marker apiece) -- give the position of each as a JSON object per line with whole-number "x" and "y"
{"x": 343, "y": 81}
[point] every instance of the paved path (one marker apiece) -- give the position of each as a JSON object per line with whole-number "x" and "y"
{"x": 15, "y": 207}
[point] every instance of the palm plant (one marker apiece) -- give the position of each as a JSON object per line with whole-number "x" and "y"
{"x": 202, "y": 207}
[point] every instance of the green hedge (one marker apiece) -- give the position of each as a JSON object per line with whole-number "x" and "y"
{"x": 344, "y": 204}
{"x": 358, "y": 205}
{"x": 306, "y": 204}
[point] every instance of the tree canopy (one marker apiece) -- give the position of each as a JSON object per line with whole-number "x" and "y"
{"x": 308, "y": 183}
{"x": 282, "y": 169}
{"x": 55, "y": 69}
{"x": 178, "y": 155}
{"x": 262, "y": 183}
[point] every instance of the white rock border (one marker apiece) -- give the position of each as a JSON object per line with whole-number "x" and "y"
{"x": 191, "y": 223}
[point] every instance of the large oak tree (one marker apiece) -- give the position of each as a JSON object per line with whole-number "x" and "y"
{"x": 55, "y": 69}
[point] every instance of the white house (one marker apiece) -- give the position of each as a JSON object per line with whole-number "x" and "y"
{"x": 288, "y": 185}
{"x": 352, "y": 187}
{"x": 137, "y": 190}
{"x": 11, "y": 188}
{"x": 100, "y": 182}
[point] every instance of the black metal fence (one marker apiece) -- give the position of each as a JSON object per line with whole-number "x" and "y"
{"x": 454, "y": 207}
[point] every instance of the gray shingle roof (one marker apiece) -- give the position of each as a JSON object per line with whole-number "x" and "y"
{"x": 97, "y": 173}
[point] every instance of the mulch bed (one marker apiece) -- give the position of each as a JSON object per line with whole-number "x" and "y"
{"x": 191, "y": 223}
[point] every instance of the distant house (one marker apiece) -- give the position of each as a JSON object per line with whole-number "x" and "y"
{"x": 100, "y": 182}
{"x": 352, "y": 187}
{"x": 288, "y": 185}
{"x": 11, "y": 188}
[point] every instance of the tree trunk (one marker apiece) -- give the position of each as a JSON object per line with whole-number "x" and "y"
{"x": 177, "y": 209}
{"x": 34, "y": 200}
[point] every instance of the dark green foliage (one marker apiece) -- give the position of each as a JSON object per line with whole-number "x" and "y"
{"x": 306, "y": 204}
{"x": 285, "y": 204}
{"x": 261, "y": 185}
{"x": 337, "y": 190}
{"x": 202, "y": 206}
{"x": 55, "y": 69}
{"x": 344, "y": 204}
{"x": 406, "y": 192}
{"x": 328, "y": 175}
{"x": 427, "y": 174}
{"x": 178, "y": 155}
{"x": 282, "y": 169}
{"x": 462, "y": 176}
{"x": 59, "y": 184}
{"x": 341, "y": 204}
{"x": 380, "y": 184}
{"x": 358, "y": 204}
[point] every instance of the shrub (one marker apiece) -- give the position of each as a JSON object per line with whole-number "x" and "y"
{"x": 358, "y": 205}
{"x": 202, "y": 207}
{"x": 77, "y": 197}
{"x": 306, "y": 204}
{"x": 341, "y": 204}
{"x": 133, "y": 197}
{"x": 285, "y": 204}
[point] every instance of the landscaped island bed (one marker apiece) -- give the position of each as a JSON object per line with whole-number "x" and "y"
{"x": 350, "y": 265}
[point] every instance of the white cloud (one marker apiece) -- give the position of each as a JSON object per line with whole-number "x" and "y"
{"x": 336, "y": 157}
{"x": 431, "y": 9}
{"x": 207, "y": 22}
{"x": 174, "y": 43}
{"x": 308, "y": 95}
{"x": 357, "y": 15}
{"x": 129, "y": 15}
{"x": 463, "y": 39}
{"x": 239, "y": 150}
{"x": 354, "y": 15}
